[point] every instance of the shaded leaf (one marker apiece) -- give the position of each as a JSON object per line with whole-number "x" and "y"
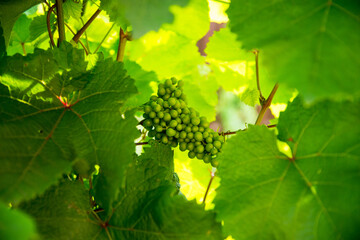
{"x": 313, "y": 195}
{"x": 308, "y": 45}
{"x": 60, "y": 118}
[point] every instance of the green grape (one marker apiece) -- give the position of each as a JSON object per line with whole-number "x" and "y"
{"x": 178, "y": 120}
{"x": 166, "y": 104}
{"x": 177, "y": 106}
{"x": 161, "y": 91}
{"x": 174, "y": 144}
{"x": 205, "y": 134}
{"x": 166, "y": 97}
{"x": 182, "y": 134}
{"x": 153, "y": 98}
{"x": 164, "y": 139}
{"x": 152, "y": 114}
{"x": 158, "y": 136}
{"x": 186, "y": 111}
{"x": 195, "y": 121}
{"x": 168, "y": 91}
{"x": 190, "y": 146}
{"x": 163, "y": 124}
{"x": 200, "y": 148}
{"x": 160, "y": 114}
{"x": 207, "y": 158}
{"x": 182, "y": 146}
{"x": 173, "y": 123}
{"x": 214, "y": 162}
{"x": 180, "y": 83}
{"x": 200, "y": 156}
{"x": 177, "y": 93}
{"x": 190, "y": 135}
{"x": 147, "y": 109}
{"x": 172, "y": 101}
{"x": 214, "y": 151}
{"x": 147, "y": 123}
{"x": 172, "y": 88}
{"x": 198, "y": 136}
{"x": 170, "y": 132}
{"x": 179, "y": 127}
{"x": 197, "y": 143}
{"x": 173, "y": 80}
{"x": 159, "y": 128}
{"x": 167, "y": 117}
{"x": 209, "y": 147}
{"x": 160, "y": 101}
{"x": 174, "y": 113}
{"x": 217, "y": 144}
{"x": 187, "y": 129}
{"x": 195, "y": 129}
{"x": 186, "y": 119}
{"x": 168, "y": 83}
{"x": 191, "y": 154}
{"x": 156, "y": 120}
{"x": 201, "y": 129}
{"x": 187, "y": 140}
{"x": 176, "y": 135}
{"x": 182, "y": 104}
{"x": 209, "y": 139}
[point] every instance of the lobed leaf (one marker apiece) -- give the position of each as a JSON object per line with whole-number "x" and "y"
{"x": 312, "y": 195}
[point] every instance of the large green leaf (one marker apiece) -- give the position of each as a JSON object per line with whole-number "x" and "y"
{"x": 142, "y": 15}
{"x": 15, "y": 225}
{"x": 310, "y": 45}
{"x": 63, "y": 212}
{"x": 312, "y": 195}
{"x": 149, "y": 207}
{"x": 10, "y": 10}
{"x": 51, "y": 117}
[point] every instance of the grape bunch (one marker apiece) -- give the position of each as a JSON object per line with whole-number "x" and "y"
{"x": 170, "y": 121}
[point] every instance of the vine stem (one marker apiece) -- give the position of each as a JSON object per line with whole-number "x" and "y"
{"x": 209, "y": 185}
{"x": 256, "y": 52}
{"x": 60, "y": 20}
{"x": 86, "y": 25}
{"x": 266, "y": 104}
{"x": 51, "y": 9}
{"x": 123, "y": 37}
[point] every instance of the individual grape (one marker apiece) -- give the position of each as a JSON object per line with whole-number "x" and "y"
{"x": 156, "y": 120}
{"x": 167, "y": 117}
{"x": 153, "y": 98}
{"x": 188, "y": 129}
{"x": 173, "y": 80}
{"x": 172, "y": 101}
{"x": 200, "y": 156}
{"x": 209, "y": 139}
{"x": 147, "y": 123}
{"x": 200, "y": 149}
{"x": 182, "y": 134}
{"x": 191, "y": 154}
{"x": 166, "y": 104}
{"x": 174, "y": 113}
{"x": 217, "y": 144}
{"x": 179, "y": 127}
{"x": 214, "y": 151}
{"x": 160, "y": 114}
{"x": 161, "y": 91}
{"x": 173, "y": 123}
{"x": 209, "y": 147}
{"x": 159, "y": 128}
{"x": 182, "y": 146}
{"x": 177, "y": 106}
{"x": 214, "y": 162}
{"x": 147, "y": 109}
{"x": 190, "y": 135}
{"x": 177, "y": 93}
{"x": 164, "y": 139}
{"x": 195, "y": 129}
{"x": 170, "y": 132}
{"x": 198, "y": 136}
{"x": 152, "y": 114}
{"x": 168, "y": 83}
{"x": 190, "y": 146}
{"x": 207, "y": 158}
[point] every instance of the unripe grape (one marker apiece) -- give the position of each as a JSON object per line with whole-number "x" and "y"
{"x": 177, "y": 93}
{"x": 147, "y": 109}
{"x": 195, "y": 121}
{"x": 214, "y": 151}
{"x": 200, "y": 156}
{"x": 173, "y": 123}
{"x": 209, "y": 139}
{"x": 182, "y": 146}
{"x": 166, "y": 97}
{"x": 206, "y": 159}
{"x": 198, "y": 136}
{"x": 195, "y": 129}
{"x": 174, "y": 113}
{"x": 153, "y": 98}
{"x": 167, "y": 117}
{"x": 217, "y": 144}
{"x": 147, "y": 123}
{"x": 214, "y": 162}
{"x": 156, "y": 120}
{"x": 180, "y": 83}
{"x": 191, "y": 154}
{"x": 164, "y": 139}
{"x": 152, "y": 114}
{"x": 170, "y": 132}
{"x": 190, "y": 135}
{"x": 158, "y": 128}
{"x": 172, "y": 101}
{"x": 168, "y": 83}
{"x": 173, "y": 80}
{"x": 160, "y": 114}
{"x": 182, "y": 134}
{"x": 190, "y": 146}
{"x": 209, "y": 147}
{"x": 179, "y": 127}
{"x": 161, "y": 91}
{"x": 200, "y": 148}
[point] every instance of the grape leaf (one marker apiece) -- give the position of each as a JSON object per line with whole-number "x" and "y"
{"x": 72, "y": 9}
{"x": 312, "y": 195}
{"x": 61, "y": 117}
{"x": 10, "y": 11}
{"x": 148, "y": 207}
{"x": 38, "y": 26}
{"x": 14, "y": 224}
{"x": 63, "y": 212}
{"x": 311, "y": 46}
{"x": 20, "y": 32}
{"x": 142, "y": 15}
